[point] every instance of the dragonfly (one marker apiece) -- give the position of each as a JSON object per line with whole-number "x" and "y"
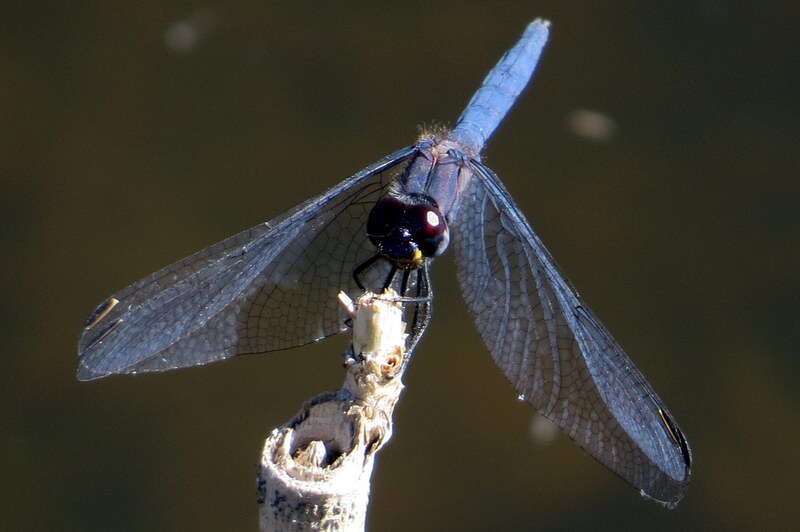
{"x": 274, "y": 287}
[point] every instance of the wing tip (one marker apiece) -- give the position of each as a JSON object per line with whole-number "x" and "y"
{"x": 668, "y": 504}
{"x": 85, "y": 374}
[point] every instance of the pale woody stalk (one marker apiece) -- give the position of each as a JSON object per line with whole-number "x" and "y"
{"x": 315, "y": 470}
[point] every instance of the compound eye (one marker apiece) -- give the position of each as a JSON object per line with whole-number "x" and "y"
{"x": 429, "y": 229}
{"x": 425, "y": 221}
{"x": 434, "y": 223}
{"x": 385, "y": 216}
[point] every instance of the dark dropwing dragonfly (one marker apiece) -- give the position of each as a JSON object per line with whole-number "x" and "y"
{"x": 274, "y": 287}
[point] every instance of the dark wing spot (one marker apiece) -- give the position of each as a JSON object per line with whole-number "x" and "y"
{"x": 101, "y": 312}
{"x": 677, "y": 436}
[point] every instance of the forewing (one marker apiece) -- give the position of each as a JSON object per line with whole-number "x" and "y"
{"x": 271, "y": 287}
{"x": 553, "y": 349}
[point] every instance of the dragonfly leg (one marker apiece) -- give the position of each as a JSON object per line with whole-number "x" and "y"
{"x": 389, "y": 278}
{"x": 404, "y": 282}
{"x": 423, "y": 292}
{"x": 363, "y": 266}
{"x": 423, "y": 309}
{"x": 422, "y": 279}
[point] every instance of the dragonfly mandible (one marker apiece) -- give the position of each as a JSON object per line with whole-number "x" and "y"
{"x": 274, "y": 287}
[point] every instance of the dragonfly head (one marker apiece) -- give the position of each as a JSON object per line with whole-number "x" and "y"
{"x": 407, "y": 229}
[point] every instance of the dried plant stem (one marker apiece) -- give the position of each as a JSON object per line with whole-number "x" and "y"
{"x": 315, "y": 470}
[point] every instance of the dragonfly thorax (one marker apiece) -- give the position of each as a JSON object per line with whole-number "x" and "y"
{"x": 406, "y": 229}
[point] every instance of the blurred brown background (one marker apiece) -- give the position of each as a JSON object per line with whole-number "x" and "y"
{"x": 134, "y": 135}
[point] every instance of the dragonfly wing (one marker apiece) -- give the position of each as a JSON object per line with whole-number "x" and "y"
{"x": 553, "y": 349}
{"x": 271, "y": 287}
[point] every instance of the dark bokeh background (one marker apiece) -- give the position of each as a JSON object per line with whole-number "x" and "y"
{"x": 132, "y": 136}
